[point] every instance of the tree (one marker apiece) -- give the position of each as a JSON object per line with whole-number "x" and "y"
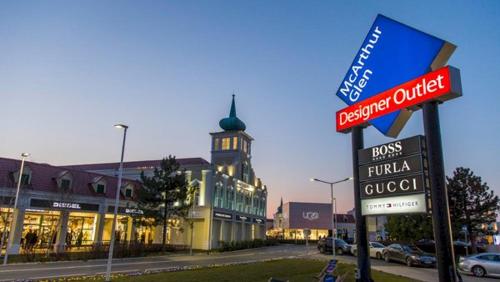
{"x": 165, "y": 194}
{"x": 472, "y": 204}
{"x": 409, "y": 228}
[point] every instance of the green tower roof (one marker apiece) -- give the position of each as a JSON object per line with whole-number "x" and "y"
{"x": 232, "y": 123}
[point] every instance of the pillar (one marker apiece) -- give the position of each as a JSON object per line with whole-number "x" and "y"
{"x": 234, "y": 231}
{"x": 100, "y": 221}
{"x": 130, "y": 230}
{"x": 62, "y": 230}
{"x": 16, "y": 231}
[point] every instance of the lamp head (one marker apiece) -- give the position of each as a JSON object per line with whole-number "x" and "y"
{"x": 121, "y": 125}
{"x": 25, "y": 155}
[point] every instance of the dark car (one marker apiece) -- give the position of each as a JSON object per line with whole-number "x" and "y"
{"x": 408, "y": 254}
{"x": 341, "y": 247}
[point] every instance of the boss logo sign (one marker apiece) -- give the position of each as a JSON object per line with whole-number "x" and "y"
{"x": 392, "y": 150}
{"x": 310, "y": 215}
{"x": 398, "y": 167}
{"x": 394, "y": 186}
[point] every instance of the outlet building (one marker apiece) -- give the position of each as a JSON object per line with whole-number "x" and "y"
{"x": 73, "y": 205}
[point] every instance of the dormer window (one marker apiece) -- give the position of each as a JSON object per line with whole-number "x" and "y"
{"x": 25, "y": 178}
{"x": 64, "y": 181}
{"x": 128, "y": 191}
{"x": 65, "y": 184}
{"x": 99, "y": 185}
{"x": 100, "y": 188}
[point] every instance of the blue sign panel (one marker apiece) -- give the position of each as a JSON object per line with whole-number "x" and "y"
{"x": 391, "y": 54}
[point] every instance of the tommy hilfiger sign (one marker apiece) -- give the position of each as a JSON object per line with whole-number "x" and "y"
{"x": 415, "y": 203}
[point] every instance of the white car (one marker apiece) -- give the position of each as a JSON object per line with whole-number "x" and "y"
{"x": 376, "y": 249}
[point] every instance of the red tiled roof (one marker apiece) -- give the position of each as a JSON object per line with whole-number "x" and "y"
{"x": 136, "y": 164}
{"x": 43, "y": 178}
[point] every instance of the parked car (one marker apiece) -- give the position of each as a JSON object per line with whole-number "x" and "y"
{"x": 408, "y": 254}
{"x": 341, "y": 247}
{"x": 484, "y": 264}
{"x": 376, "y": 250}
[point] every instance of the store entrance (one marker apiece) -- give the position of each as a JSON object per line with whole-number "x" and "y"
{"x": 81, "y": 229}
{"x": 39, "y": 229}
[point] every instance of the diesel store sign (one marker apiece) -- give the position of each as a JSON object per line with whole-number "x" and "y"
{"x": 393, "y": 177}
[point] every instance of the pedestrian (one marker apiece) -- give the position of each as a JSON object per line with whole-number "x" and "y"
{"x": 79, "y": 240}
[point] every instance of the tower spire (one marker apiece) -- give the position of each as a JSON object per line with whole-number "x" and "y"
{"x": 232, "y": 113}
{"x": 232, "y": 123}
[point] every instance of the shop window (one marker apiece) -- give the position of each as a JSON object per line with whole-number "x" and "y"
{"x": 226, "y": 143}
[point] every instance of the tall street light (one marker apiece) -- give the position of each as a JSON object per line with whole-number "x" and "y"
{"x": 117, "y": 202}
{"x": 19, "y": 179}
{"x": 334, "y": 221}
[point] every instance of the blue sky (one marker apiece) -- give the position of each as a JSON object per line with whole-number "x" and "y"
{"x": 70, "y": 69}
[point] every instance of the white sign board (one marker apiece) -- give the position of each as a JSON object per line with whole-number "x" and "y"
{"x": 415, "y": 203}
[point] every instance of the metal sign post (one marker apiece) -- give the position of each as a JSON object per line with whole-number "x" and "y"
{"x": 440, "y": 211}
{"x": 363, "y": 258}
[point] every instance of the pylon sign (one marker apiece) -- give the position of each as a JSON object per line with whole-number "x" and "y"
{"x": 391, "y": 54}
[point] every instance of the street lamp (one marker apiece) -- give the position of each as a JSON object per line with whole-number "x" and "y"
{"x": 117, "y": 202}
{"x": 334, "y": 208}
{"x": 21, "y": 170}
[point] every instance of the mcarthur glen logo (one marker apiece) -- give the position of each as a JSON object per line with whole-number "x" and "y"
{"x": 310, "y": 215}
{"x": 392, "y": 53}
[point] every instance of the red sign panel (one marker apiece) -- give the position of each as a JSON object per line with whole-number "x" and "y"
{"x": 442, "y": 84}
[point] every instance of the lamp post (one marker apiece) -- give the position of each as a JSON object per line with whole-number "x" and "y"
{"x": 117, "y": 202}
{"x": 334, "y": 208}
{"x": 19, "y": 179}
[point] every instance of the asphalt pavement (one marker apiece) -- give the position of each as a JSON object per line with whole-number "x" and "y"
{"x": 33, "y": 271}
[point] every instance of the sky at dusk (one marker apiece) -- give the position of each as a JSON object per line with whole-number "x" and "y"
{"x": 69, "y": 70}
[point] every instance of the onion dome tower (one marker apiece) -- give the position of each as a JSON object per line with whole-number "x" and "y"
{"x": 231, "y": 148}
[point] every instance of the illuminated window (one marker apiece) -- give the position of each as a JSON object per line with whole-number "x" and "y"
{"x": 226, "y": 143}
{"x": 235, "y": 143}
{"x": 216, "y": 144}
{"x": 244, "y": 143}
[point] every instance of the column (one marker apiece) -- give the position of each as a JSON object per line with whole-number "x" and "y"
{"x": 101, "y": 217}
{"x": 16, "y": 231}
{"x": 234, "y": 231}
{"x": 62, "y": 230}
{"x": 130, "y": 230}
{"x": 158, "y": 234}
